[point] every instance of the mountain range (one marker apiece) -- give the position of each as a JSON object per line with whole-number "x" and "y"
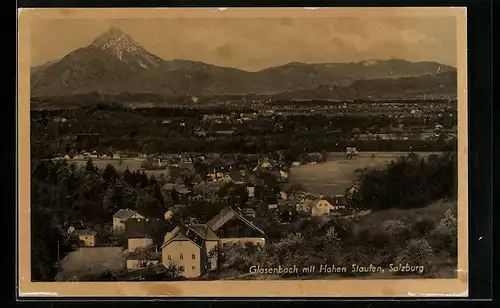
{"x": 115, "y": 63}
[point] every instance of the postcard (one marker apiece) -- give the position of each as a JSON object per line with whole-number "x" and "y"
{"x": 242, "y": 152}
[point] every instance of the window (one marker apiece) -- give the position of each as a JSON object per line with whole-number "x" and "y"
{"x": 193, "y": 256}
{"x": 181, "y": 268}
{"x": 170, "y": 257}
{"x": 193, "y": 267}
{"x": 182, "y": 256}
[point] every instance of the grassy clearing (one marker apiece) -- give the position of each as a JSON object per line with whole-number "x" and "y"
{"x": 337, "y": 174}
{"x": 92, "y": 260}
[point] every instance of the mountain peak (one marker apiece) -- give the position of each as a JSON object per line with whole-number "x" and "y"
{"x": 116, "y": 41}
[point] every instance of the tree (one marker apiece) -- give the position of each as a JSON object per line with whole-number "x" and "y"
{"x": 149, "y": 205}
{"x": 48, "y": 244}
{"x": 152, "y": 180}
{"x": 90, "y": 166}
{"x": 127, "y": 177}
{"x": 174, "y": 195}
{"x": 109, "y": 174}
{"x": 143, "y": 180}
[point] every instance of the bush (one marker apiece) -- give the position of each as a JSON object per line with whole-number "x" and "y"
{"x": 422, "y": 226}
{"x": 444, "y": 236}
{"x": 418, "y": 252}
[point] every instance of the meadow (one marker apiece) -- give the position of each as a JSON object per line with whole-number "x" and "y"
{"x": 337, "y": 174}
{"x": 91, "y": 260}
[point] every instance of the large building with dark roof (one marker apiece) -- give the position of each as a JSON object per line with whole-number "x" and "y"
{"x": 191, "y": 247}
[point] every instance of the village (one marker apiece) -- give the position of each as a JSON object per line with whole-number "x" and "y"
{"x": 180, "y": 239}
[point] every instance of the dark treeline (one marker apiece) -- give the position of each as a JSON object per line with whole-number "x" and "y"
{"x": 409, "y": 182}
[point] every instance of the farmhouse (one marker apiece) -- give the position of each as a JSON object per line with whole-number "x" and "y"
{"x": 305, "y": 204}
{"x": 325, "y": 206}
{"x": 138, "y": 237}
{"x": 251, "y": 191}
{"x": 88, "y": 236}
{"x": 188, "y": 247}
{"x": 231, "y": 226}
{"x": 122, "y": 216}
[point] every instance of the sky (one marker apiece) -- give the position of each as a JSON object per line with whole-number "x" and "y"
{"x": 257, "y": 43}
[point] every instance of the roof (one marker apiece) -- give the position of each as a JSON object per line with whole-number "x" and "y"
{"x": 85, "y": 232}
{"x": 124, "y": 214}
{"x": 176, "y": 208}
{"x": 141, "y": 229}
{"x": 227, "y": 214}
{"x": 204, "y": 231}
{"x": 196, "y": 233}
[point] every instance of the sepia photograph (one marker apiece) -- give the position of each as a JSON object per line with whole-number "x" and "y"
{"x": 174, "y": 148}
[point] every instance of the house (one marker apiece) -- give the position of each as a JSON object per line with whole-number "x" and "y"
{"x": 138, "y": 236}
{"x": 326, "y": 206}
{"x": 265, "y": 164}
{"x": 88, "y": 236}
{"x": 143, "y": 235}
{"x": 116, "y": 156}
{"x": 251, "y": 191}
{"x": 321, "y": 207}
{"x": 231, "y": 226}
{"x": 188, "y": 248}
{"x": 283, "y": 195}
{"x": 305, "y": 204}
{"x": 272, "y": 203}
{"x": 122, "y": 216}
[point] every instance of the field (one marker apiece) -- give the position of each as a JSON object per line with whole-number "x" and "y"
{"x": 91, "y": 260}
{"x": 337, "y": 174}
